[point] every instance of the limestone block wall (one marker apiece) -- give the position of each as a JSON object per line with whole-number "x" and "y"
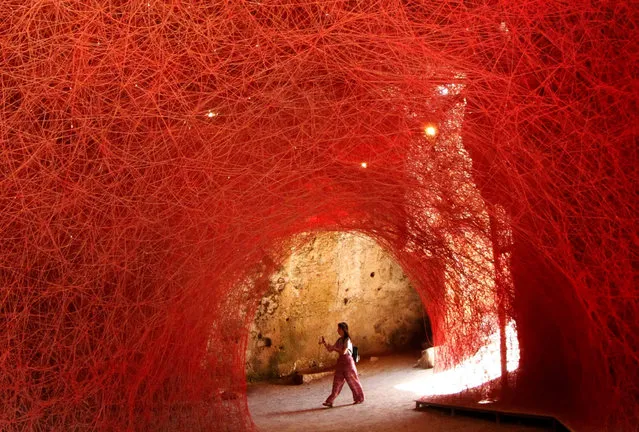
{"x": 334, "y": 277}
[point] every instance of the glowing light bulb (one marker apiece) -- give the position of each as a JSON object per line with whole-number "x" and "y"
{"x": 443, "y": 91}
{"x": 364, "y": 164}
{"x": 211, "y": 114}
{"x": 430, "y": 131}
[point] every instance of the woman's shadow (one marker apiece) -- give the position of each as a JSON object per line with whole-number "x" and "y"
{"x": 304, "y": 411}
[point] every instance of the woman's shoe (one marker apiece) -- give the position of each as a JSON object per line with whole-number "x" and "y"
{"x": 358, "y": 402}
{"x": 328, "y": 404}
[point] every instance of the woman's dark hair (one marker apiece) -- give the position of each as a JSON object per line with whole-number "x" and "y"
{"x": 344, "y": 328}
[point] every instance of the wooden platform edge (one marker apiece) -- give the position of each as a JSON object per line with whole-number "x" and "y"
{"x": 557, "y": 425}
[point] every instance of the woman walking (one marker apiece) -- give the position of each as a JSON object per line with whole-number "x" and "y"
{"x": 346, "y": 370}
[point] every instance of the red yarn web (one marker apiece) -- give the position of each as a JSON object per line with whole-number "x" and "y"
{"x": 159, "y": 159}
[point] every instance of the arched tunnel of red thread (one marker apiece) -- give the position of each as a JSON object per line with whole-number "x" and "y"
{"x": 157, "y": 156}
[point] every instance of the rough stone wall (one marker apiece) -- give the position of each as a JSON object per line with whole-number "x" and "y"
{"x": 334, "y": 277}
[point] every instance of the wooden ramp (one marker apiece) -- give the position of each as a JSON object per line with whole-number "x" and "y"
{"x": 488, "y": 410}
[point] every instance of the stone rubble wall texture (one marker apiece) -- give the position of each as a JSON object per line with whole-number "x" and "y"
{"x": 159, "y": 160}
{"x": 333, "y": 277}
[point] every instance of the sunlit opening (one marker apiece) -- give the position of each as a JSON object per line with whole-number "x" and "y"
{"x": 483, "y": 367}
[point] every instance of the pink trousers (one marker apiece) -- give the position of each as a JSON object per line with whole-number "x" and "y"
{"x": 346, "y": 371}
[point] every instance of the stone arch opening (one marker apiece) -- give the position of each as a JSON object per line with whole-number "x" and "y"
{"x": 333, "y": 277}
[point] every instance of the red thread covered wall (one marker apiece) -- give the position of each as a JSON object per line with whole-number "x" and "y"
{"x": 157, "y": 157}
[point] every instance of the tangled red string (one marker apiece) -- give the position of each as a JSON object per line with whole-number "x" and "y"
{"x": 158, "y": 158}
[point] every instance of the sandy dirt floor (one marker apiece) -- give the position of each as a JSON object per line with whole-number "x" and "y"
{"x": 284, "y": 408}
